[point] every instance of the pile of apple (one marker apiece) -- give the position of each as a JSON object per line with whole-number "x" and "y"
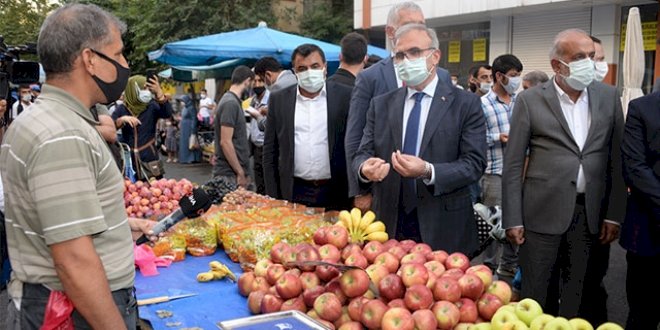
{"x": 396, "y": 285}
{"x": 155, "y": 198}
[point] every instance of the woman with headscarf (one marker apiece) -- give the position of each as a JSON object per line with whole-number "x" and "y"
{"x": 144, "y": 104}
{"x": 187, "y": 127}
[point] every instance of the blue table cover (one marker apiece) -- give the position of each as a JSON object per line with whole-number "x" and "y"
{"x": 215, "y": 301}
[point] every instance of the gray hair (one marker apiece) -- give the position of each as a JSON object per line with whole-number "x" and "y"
{"x": 393, "y": 15}
{"x": 557, "y": 50}
{"x": 535, "y": 77}
{"x": 69, "y": 30}
{"x": 418, "y": 27}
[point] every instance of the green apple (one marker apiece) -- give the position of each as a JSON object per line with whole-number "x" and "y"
{"x": 609, "y": 326}
{"x": 528, "y": 309}
{"x": 515, "y": 325}
{"x": 580, "y": 324}
{"x": 501, "y": 317}
{"x": 540, "y": 321}
{"x": 481, "y": 326}
{"x": 558, "y": 323}
{"x": 509, "y": 308}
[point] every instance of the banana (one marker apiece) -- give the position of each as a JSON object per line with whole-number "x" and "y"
{"x": 374, "y": 227}
{"x": 367, "y": 219}
{"x": 345, "y": 218}
{"x": 217, "y": 275}
{"x": 356, "y": 217}
{"x": 221, "y": 270}
{"x": 379, "y": 236}
{"x": 205, "y": 277}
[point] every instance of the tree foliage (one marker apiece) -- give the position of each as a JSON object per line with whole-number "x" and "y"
{"x": 20, "y": 20}
{"x": 327, "y": 20}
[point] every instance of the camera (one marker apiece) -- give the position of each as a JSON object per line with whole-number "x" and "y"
{"x": 14, "y": 71}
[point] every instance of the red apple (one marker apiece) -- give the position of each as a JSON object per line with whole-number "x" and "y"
{"x": 354, "y": 282}
{"x": 390, "y": 243}
{"x": 288, "y": 256}
{"x": 471, "y": 286}
{"x": 278, "y": 250}
{"x": 390, "y": 261}
{"x": 431, "y": 282}
{"x": 261, "y": 266}
{"x": 377, "y": 273}
{"x": 312, "y": 313}
{"x": 396, "y": 303}
{"x": 407, "y": 245}
{"x": 289, "y": 286}
{"x": 501, "y": 290}
{"x": 309, "y": 295}
{"x": 398, "y": 319}
{"x": 320, "y": 235}
{"x": 468, "y": 309}
{"x": 307, "y": 254}
{"x": 412, "y": 274}
{"x": 270, "y": 304}
{"x": 327, "y": 324}
{"x": 438, "y": 255}
{"x": 350, "y": 249}
{"x": 391, "y": 287}
{"x": 344, "y": 318}
{"x": 356, "y": 259}
{"x": 245, "y": 283}
{"x": 398, "y": 251}
{"x": 435, "y": 267}
{"x": 293, "y": 271}
{"x": 294, "y": 304}
{"x": 328, "y": 307}
{"x": 413, "y": 258}
{"x": 353, "y": 325}
{"x": 447, "y": 314}
{"x": 335, "y": 288}
{"x": 425, "y": 320}
{"x": 372, "y": 249}
{"x": 372, "y": 313}
{"x": 260, "y": 284}
{"x": 355, "y": 308}
{"x": 422, "y": 248}
{"x": 457, "y": 260}
{"x": 254, "y": 301}
{"x": 418, "y": 297}
{"x": 487, "y": 305}
{"x": 274, "y": 272}
{"x": 484, "y": 273}
{"x": 326, "y": 273}
{"x": 329, "y": 253}
{"x": 454, "y": 273}
{"x": 309, "y": 280}
{"x": 337, "y": 236}
{"x": 447, "y": 289}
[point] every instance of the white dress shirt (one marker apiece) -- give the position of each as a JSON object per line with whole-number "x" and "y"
{"x": 311, "y": 153}
{"x": 429, "y": 92}
{"x": 579, "y": 119}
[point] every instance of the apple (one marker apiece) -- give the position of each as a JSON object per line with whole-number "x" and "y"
{"x": 351, "y": 326}
{"x": 245, "y": 283}
{"x": 329, "y": 253}
{"x": 273, "y": 290}
{"x": 377, "y": 273}
{"x": 609, "y": 326}
{"x": 437, "y": 255}
{"x": 335, "y": 288}
{"x": 278, "y": 250}
{"x": 254, "y": 301}
{"x": 515, "y": 325}
{"x": 372, "y": 313}
{"x": 293, "y": 271}
{"x": 337, "y": 236}
{"x": 327, "y": 324}
{"x": 431, "y": 281}
{"x": 309, "y": 280}
{"x": 355, "y": 308}
{"x": 424, "y": 319}
{"x": 468, "y": 310}
{"x": 422, "y": 248}
{"x": 580, "y": 324}
{"x": 509, "y": 307}
{"x": 328, "y": 307}
{"x": 418, "y": 297}
{"x": 398, "y": 251}
{"x": 528, "y": 309}
{"x": 464, "y": 326}
{"x": 487, "y": 305}
{"x": 435, "y": 267}
{"x": 454, "y": 273}
{"x": 270, "y": 304}
{"x": 457, "y": 260}
{"x": 390, "y": 261}
{"x": 502, "y": 290}
{"x": 261, "y": 266}
{"x": 398, "y": 319}
{"x": 274, "y": 272}
{"x": 446, "y": 288}
{"x": 413, "y": 258}
{"x": 320, "y": 235}
{"x": 407, "y": 244}
{"x": 481, "y": 326}
{"x": 558, "y": 323}
{"x": 309, "y": 295}
{"x": 307, "y": 253}
{"x": 344, "y": 318}
{"x": 312, "y": 313}
{"x": 412, "y": 274}
{"x": 372, "y": 249}
{"x": 484, "y": 273}
{"x": 446, "y": 313}
{"x": 354, "y": 282}
{"x": 356, "y": 259}
{"x": 350, "y": 249}
{"x": 289, "y": 286}
{"x": 391, "y": 287}
{"x": 501, "y": 317}
{"x": 326, "y": 273}
{"x": 471, "y": 286}
{"x": 390, "y": 243}
{"x": 294, "y": 304}
{"x": 396, "y": 303}
{"x": 260, "y": 284}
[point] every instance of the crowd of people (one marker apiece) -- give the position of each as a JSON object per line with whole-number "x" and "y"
{"x": 400, "y": 138}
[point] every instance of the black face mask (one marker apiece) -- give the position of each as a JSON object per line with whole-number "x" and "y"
{"x": 259, "y": 90}
{"x": 113, "y": 90}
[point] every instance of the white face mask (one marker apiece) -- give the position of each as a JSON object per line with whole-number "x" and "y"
{"x": 311, "y": 80}
{"x": 454, "y": 82}
{"x": 144, "y": 95}
{"x": 202, "y": 95}
{"x": 26, "y": 98}
{"x": 513, "y": 85}
{"x": 600, "y": 70}
{"x": 413, "y": 72}
{"x": 581, "y": 73}
{"x": 485, "y": 87}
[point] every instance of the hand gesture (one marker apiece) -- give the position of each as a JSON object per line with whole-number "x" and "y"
{"x": 408, "y": 166}
{"x": 130, "y": 120}
{"x": 516, "y": 235}
{"x": 375, "y": 169}
{"x": 154, "y": 86}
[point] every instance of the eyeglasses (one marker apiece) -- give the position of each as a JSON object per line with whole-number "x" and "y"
{"x": 411, "y": 53}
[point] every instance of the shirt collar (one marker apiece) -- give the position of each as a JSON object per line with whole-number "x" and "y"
{"x": 492, "y": 96}
{"x": 428, "y": 90}
{"x": 57, "y": 94}
{"x": 561, "y": 94}
{"x": 305, "y": 98}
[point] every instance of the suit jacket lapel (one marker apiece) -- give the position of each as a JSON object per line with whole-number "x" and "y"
{"x": 388, "y": 74}
{"x": 440, "y": 104}
{"x": 395, "y": 117}
{"x": 594, "y": 114}
{"x": 332, "y": 117}
{"x": 550, "y": 95}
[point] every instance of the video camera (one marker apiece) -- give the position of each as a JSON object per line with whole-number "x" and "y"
{"x": 13, "y": 70}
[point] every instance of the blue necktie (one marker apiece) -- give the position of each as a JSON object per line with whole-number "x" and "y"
{"x": 410, "y": 148}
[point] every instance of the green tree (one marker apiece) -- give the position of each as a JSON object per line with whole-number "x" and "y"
{"x": 327, "y": 20}
{"x": 20, "y": 20}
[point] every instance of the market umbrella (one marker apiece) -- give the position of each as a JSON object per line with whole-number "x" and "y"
{"x": 633, "y": 60}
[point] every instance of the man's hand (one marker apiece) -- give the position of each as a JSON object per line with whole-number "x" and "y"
{"x": 254, "y": 113}
{"x": 130, "y": 120}
{"x": 504, "y": 137}
{"x": 241, "y": 180}
{"x": 375, "y": 169}
{"x": 263, "y": 110}
{"x": 608, "y": 233}
{"x": 516, "y": 235}
{"x": 141, "y": 227}
{"x": 408, "y": 166}
{"x": 363, "y": 202}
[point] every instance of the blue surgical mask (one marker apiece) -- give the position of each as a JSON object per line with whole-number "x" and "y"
{"x": 413, "y": 72}
{"x": 581, "y": 73}
{"x": 512, "y": 86}
{"x": 311, "y": 80}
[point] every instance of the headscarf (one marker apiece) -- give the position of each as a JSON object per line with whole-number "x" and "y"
{"x": 131, "y": 100}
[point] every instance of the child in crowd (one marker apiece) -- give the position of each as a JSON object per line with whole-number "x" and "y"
{"x": 171, "y": 141}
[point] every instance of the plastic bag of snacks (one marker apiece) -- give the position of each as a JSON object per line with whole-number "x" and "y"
{"x": 172, "y": 245}
{"x": 201, "y": 237}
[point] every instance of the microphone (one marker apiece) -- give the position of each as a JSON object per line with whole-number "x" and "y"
{"x": 190, "y": 206}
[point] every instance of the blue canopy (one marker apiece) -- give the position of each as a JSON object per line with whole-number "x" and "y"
{"x": 252, "y": 43}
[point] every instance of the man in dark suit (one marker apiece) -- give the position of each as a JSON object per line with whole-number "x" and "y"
{"x": 352, "y": 58}
{"x": 423, "y": 146}
{"x": 572, "y": 193}
{"x": 379, "y": 79}
{"x": 640, "y": 234}
{"x": 304, "y": 159}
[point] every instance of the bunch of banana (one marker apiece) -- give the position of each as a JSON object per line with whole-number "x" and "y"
{"x": 218, "y": 271}
{"x": 362, "y": 227}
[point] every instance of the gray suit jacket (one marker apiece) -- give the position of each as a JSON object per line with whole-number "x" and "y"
{"x": 543, "y": 201}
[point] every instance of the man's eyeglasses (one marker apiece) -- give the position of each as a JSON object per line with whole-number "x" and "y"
{"x": 411, "y": 53}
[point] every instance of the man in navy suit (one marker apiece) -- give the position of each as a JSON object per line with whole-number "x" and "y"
{"x": 378, "y": 79}
{"x": 640, "y": 234}
{"x": 423, "y": 146}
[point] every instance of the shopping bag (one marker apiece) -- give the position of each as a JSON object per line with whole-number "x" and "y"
{"x": 193, "y": 143}
{"x": 58, "y": 312}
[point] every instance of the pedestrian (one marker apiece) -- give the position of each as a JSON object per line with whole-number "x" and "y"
{"x": 275, "y": 78}
{"x": 571, "y": 129}
{"x": 69, "y": 229}
{"x": 24, "y": 101}
{"x": 480, "y": 79}
{"x": 352, "y": 58}
{"x": 3, "y": 117}
{"x": 188, "y": 153}
{"x": 171, "y": 142}
{"x": 258, "y": 109}
{"x": 534, "y": 78}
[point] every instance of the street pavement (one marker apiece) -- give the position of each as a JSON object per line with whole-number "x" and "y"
{"x": 614, "y": 281}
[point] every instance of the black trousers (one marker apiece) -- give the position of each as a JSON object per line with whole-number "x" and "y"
{"x": 641, "y": 288}
{"x": 257, "y": 154}
{"x": 594, "y": 295}
{"x": 312, "y": 193}
{"x": 554, "y": 266}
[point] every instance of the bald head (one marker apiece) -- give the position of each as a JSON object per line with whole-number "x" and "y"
{"x": 566, "y": 40}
